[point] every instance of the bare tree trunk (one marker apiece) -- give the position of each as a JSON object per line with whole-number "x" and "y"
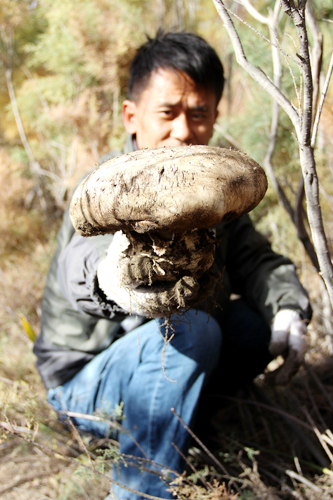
{"x": 316, "y": 63}
{"x": 311, "y": 187}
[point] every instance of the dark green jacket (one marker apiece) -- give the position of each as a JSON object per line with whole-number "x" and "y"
{"x": 78, "y": 321}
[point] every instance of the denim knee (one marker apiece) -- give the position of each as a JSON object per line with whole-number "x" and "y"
{"x": 198, "y": 336}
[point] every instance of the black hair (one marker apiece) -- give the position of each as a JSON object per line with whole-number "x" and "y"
{"x": 181, "y": 51}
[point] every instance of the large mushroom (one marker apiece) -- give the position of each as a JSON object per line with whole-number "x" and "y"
{"x": 161, "y": 204}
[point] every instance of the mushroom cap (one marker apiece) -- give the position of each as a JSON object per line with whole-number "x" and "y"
{"x": 171, "y": 188}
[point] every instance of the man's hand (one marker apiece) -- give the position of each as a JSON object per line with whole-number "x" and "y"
{"x": 288, "y": 339}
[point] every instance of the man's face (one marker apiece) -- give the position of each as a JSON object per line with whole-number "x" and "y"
{"x": 171, "y": 111}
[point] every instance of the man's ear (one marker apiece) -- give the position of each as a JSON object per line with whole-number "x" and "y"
{"x": 129, "y": 116}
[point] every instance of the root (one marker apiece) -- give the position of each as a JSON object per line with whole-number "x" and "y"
{"x": 168, "y": 325}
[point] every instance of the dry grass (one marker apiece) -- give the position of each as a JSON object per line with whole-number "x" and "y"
{"x": 269, "y": 443}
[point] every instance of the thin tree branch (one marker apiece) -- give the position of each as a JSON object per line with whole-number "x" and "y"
{"x": 17, "y": 117}
{"x": 206, "y": 450}
{"x": 18, "y": 431}
{"x": 257, "y": 74}
{"x": 254, "y": 13}
{"x": 316, "y": 61}
{"x": 297, "y": 92}
{"x": 321, "y": 102}
{"x": 303, "y": 480}
{"x": 298, "y": 17}
{"x": 258, "y": 32}
{"x": 34, "y": 165}
{"x": 300, "y": 226}
{"x": 316, "y": 54}
{"x": 271, "y": 21}
{"x": 191, "y": 466}
{"x": 277, "y": 72}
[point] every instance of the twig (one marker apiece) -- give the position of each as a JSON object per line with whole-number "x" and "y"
{"x": 15, "y": 429}
{"x": 290, "y": 420}
{"x": 319, "y": 468}
{"x": 321, "y": 102}
{"x": 271, "y": 22}
{"x": 318, "y": 383}
{"x": 277, "y": 70}
{"x": 258, "y": 32}
{"x": 94, "y": 418}
{"x": 227, "y": 136}
{"x": 34, "y": 165}
{"x": 297, "y": 464}
{"x": 257, "y": 74}
{"x": 251, "y": 10}
{"x": 297, "y": 92}
{"x": 316, "y": 53}
{"x": 303, "y": 480}
{"x": 148, "y": 460}
{"x": 200, "y": 443}
{"x": 314, "y": 405}
{"x": 206, "y": 485}
{"x": 328, "y": 197}
{"x": 6, "y": 381}
{"x": 80, "y": 441}
{"x": 318, "y": 434}
{"x": 271, "y": 408}
{"x": 96, "y": 472}
{"x": 111, "y": 423}
{"x": 120, "y": 428}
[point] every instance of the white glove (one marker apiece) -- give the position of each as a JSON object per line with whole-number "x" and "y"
{"x": 109, "y": 274}
{"x": 288, "y": 339}
{"x": 139, "y": 301}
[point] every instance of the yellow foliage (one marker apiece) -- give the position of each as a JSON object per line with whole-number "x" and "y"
{"x": 28, "y": 328}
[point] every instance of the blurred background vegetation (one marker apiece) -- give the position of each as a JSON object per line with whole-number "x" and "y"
{"x": 63, "y": 75}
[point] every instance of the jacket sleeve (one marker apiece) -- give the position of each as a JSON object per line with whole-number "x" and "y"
{"x": 77, "y": 276}
{"x": 266, "y": 280}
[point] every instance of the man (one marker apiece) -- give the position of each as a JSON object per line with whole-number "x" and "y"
{"x": 94, "y": 358}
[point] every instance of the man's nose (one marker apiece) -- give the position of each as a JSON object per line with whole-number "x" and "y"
{"x": 181, "y": 129}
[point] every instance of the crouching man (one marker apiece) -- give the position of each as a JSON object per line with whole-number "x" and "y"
{"x": 93, "y": 358}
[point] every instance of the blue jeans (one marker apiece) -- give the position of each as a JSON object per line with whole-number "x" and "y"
{"x": 130, "y": 372}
